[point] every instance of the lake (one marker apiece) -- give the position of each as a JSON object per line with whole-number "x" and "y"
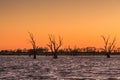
{"x": 63, "y": 68}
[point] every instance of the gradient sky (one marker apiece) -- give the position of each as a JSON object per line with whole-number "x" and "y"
{"x": 79, "y": 22}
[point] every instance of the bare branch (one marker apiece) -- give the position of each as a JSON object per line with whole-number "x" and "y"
{"x": 54, "y": 45}
{"x": 105, "y": 42}
{"x": 32, "y": 40}
{"x": 112, "y": 45}
{"x": 109, "y": 46}
{"x": 60, "y": 43}
{"x": 33, "y": 43}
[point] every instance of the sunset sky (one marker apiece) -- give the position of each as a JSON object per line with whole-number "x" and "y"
{"x": 80, "y": 22}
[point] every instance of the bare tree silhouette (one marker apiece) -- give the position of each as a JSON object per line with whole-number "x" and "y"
{"x": 33, "y": 43}
{"x": 54, "y": 45}
{"x": 108, "y": 46}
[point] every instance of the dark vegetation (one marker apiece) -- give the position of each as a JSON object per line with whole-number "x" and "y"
{"x": 67, "y": 51}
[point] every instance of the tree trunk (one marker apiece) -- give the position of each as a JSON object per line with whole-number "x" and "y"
{"x": 34, "y": 53}
{"x": 29, "y": 54}
{"x": 55, "y": 55}
{"x": 108, "y": 54}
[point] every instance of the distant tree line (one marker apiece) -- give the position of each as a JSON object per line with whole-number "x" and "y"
{"x": 64, "y": 51}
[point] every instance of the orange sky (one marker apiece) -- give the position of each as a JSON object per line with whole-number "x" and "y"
{"x": 79, "y": 22}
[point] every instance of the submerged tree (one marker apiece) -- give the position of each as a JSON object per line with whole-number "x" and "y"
{"x": 33, "y": 43}
{"x": 108, "y": 46}
{"x": 54, "y": 46}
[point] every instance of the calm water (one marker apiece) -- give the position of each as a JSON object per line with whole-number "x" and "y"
{"x": 63, "y": 68}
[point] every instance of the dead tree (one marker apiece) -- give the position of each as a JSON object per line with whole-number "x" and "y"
{"x": 33, "y": 43}
{"x": 108, "y": 46}
{"x": 54, "y": 46}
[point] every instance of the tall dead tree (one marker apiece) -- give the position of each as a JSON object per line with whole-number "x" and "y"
{"x": 54, "y": 46}
{"x": 33, "y": 43}
{"x": 108, "y": 46}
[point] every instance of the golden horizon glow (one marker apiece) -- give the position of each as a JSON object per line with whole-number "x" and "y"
{"x": 80, "y": 22}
